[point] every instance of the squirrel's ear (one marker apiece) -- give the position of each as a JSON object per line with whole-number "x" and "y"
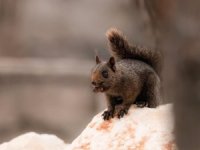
{"x": 111, "y": 64}
{"x": 98, "y": 60}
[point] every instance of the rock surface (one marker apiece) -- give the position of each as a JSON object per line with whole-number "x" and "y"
{"x": 141, "y": 129}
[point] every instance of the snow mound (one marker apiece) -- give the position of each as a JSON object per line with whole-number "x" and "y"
{"x": 141, "y": 129}
{"x": 33, "y": 141}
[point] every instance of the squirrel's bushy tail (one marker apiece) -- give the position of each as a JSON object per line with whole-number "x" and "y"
{"x": 120, "y": 49}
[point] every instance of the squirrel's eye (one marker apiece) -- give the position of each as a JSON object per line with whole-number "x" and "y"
{"x": 105, "y": 74}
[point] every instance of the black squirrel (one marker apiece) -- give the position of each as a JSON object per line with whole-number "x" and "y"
{"x": 131, "y": 76}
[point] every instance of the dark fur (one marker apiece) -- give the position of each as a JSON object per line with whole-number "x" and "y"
{"x": 120, "y": 49}
{"x": 131, "y": 76}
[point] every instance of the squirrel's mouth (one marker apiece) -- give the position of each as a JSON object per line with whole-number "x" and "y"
{"x": 100, "y": 88}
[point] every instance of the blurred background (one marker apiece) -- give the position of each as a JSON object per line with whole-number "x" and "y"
{"x": 47, "y": 50}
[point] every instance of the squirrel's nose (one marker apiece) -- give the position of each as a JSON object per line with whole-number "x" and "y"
{"x": 94, "y": 83}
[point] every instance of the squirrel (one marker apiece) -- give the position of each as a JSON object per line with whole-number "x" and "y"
{"x": 130, "y": 76}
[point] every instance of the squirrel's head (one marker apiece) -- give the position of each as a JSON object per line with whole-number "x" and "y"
{"x": 103, "y": 75}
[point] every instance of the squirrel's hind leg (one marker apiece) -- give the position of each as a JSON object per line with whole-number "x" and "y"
{"x": 152, "y": 91}
{"x": 141, "y": 100}
{"x": 140, "y": 103}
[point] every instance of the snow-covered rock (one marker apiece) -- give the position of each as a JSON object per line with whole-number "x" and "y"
{"x": 33, "y": 141}
{"x": 141, "y": 129}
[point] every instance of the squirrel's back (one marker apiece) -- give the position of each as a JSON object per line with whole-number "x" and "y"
{"x": 120, "y": 49}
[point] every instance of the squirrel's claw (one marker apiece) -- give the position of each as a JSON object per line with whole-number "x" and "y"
{"x": 123, "y": 111}
{"x": 108, "y": 114}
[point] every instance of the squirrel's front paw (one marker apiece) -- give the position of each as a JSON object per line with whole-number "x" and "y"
{"x": 123, "y": 111}
{"x": 108, "y": 114}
